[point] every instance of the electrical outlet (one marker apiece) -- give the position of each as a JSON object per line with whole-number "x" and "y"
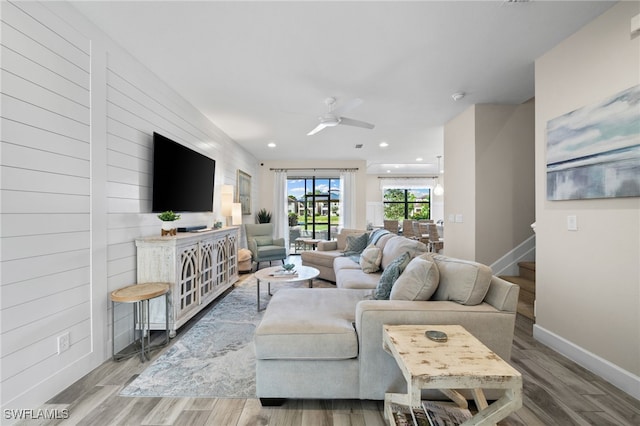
{"x": 64, "y": 341}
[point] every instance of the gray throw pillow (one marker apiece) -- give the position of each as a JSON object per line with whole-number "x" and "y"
{"x": 418, "y": 281}
{"x": 356, "y": 243}
{"x": 390, "y": 275}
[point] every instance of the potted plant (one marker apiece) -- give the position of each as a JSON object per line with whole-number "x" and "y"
{"x": 263, "y": 216}
{"x": 168, "y": 218}
{"x": 293, "y": 219}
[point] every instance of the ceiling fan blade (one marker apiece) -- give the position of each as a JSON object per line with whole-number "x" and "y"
{"x": 357, "y": 123}
{"x": 317, "y": 129}
{"x": 347, "y": 106}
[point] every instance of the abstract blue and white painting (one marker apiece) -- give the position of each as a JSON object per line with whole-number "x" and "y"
{"x": 594, "y": 152}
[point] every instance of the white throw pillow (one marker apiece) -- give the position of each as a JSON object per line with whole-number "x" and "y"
{"x": 418, "y": 281}
{"x": 370, "y": 259}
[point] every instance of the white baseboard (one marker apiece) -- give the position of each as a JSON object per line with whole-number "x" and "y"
{"x": 508, "y": 264}
{"x": 615, "y": 375}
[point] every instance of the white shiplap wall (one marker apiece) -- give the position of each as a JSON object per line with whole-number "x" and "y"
{"x": 78, "y": 115}
{"x": 45, "y": 190}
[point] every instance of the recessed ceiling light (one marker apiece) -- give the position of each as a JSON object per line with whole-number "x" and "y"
{"x": 457, "y": 96}
{"x": 383, "y": 144}
{"x": 388, "y": 171}
{"x": 419, "y": 159}
{"x": 271, "y": 144}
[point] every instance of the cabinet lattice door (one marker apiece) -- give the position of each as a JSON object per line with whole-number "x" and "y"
{"x": 200, "y": 267}
{"x": 207, "y": 278}
{"x": 188, "y": 278}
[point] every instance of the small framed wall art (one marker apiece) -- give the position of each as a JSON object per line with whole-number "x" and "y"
{"x": 243, "y": 194}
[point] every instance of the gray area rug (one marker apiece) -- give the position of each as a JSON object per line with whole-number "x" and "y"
{"x": 215, "y": 358}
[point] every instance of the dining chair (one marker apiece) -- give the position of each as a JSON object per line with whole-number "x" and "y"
{"x": 391, "y": 226}
{"x": 423, "y": 232}
{"x": 407, "y": 229}
{"x": 435, "y": 242}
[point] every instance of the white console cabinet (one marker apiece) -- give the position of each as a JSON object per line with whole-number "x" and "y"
{"x": 199, "y": 265}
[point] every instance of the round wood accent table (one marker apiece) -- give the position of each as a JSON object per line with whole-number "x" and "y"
{"x": 139, "y": 295}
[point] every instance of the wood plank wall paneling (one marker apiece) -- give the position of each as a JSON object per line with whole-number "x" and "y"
{"x": 45, "y": 168}
{"x": 137, "y": 106}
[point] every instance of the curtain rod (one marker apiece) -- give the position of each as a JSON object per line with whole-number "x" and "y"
{"x": 348, "y": 169}
{"x": 408, "y": 177}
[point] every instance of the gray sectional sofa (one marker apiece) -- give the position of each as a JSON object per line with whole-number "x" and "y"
{"x": 327, "y": 343}
{"x": 326, "y": 251}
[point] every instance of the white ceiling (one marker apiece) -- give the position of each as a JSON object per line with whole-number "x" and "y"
{"x": 261, "y": 70}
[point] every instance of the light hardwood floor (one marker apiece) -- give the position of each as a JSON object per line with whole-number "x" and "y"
{"x": 556, "y": 392}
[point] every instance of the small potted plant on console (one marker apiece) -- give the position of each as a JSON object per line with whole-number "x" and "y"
{"x": 168, "y": 219}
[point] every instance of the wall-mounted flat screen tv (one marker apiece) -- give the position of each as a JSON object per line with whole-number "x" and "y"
{"x": 183, "y": 179}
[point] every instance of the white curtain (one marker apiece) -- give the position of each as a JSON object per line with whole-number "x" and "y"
{"x": 348, "y": 201}
{"x": 280, "y": 215}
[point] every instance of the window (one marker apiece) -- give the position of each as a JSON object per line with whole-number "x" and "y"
{"x": 407, "y": 203}
{"x": 316, "y": 201}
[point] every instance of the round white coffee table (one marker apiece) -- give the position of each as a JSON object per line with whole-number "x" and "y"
{"x": 269, "y": 275}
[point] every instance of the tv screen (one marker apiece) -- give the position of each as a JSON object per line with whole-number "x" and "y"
{"x": 183, "y": 179}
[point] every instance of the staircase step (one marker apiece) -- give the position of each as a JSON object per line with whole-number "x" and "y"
{"x": 526, "y": 285}
{"x": 526, "y": 310}
{"x": 527, "y": 270}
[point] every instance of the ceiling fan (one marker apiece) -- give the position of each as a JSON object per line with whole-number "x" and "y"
{"x": 334, "y": 116}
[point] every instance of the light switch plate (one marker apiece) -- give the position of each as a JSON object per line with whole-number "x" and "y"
{"x": 458, "y": 218}
{"x": 572, "y": 223}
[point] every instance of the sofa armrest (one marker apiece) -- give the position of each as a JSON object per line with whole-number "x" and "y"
{"x": 378, "y": 370}
{"x": 278, "y": 242}
{"x": 327, "y": 245}
{"x": 253, "y": 247}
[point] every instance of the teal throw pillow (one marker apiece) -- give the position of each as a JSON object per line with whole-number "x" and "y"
{"x": 390, "y": 275}
{"x": 356, "y": 243}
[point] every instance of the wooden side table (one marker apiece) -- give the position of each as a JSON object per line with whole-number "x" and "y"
{"x": 139, "y": 295}
{"x": 462, "y": 362}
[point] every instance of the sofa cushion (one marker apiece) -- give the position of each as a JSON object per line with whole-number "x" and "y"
{"x": 390, "y": 275}
{"x": 356, "y": 243}
{"x": 382, "y": 240}
{"x": 268, "y": 251}
{"x": 309, "y": 324}
{"x": 370, "y": 259}
{"x": 355, "y": 278}
{"x": 320, "y": 258}
{"x": 342, "y": 262}
{"x": 418, "y": 281}
{"x": 461, "y": 281}
{"x": 263, "y": 240}
{"x": 398, "y": 245}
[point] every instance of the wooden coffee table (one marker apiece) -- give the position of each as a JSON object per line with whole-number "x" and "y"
{"x": 462, "y": 362}
{"x": 304, "y": 273}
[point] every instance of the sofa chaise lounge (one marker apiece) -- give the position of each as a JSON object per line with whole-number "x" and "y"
{"x": 327, "y": 343}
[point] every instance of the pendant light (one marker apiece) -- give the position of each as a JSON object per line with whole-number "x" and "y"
{"x": 438, "y": 190}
